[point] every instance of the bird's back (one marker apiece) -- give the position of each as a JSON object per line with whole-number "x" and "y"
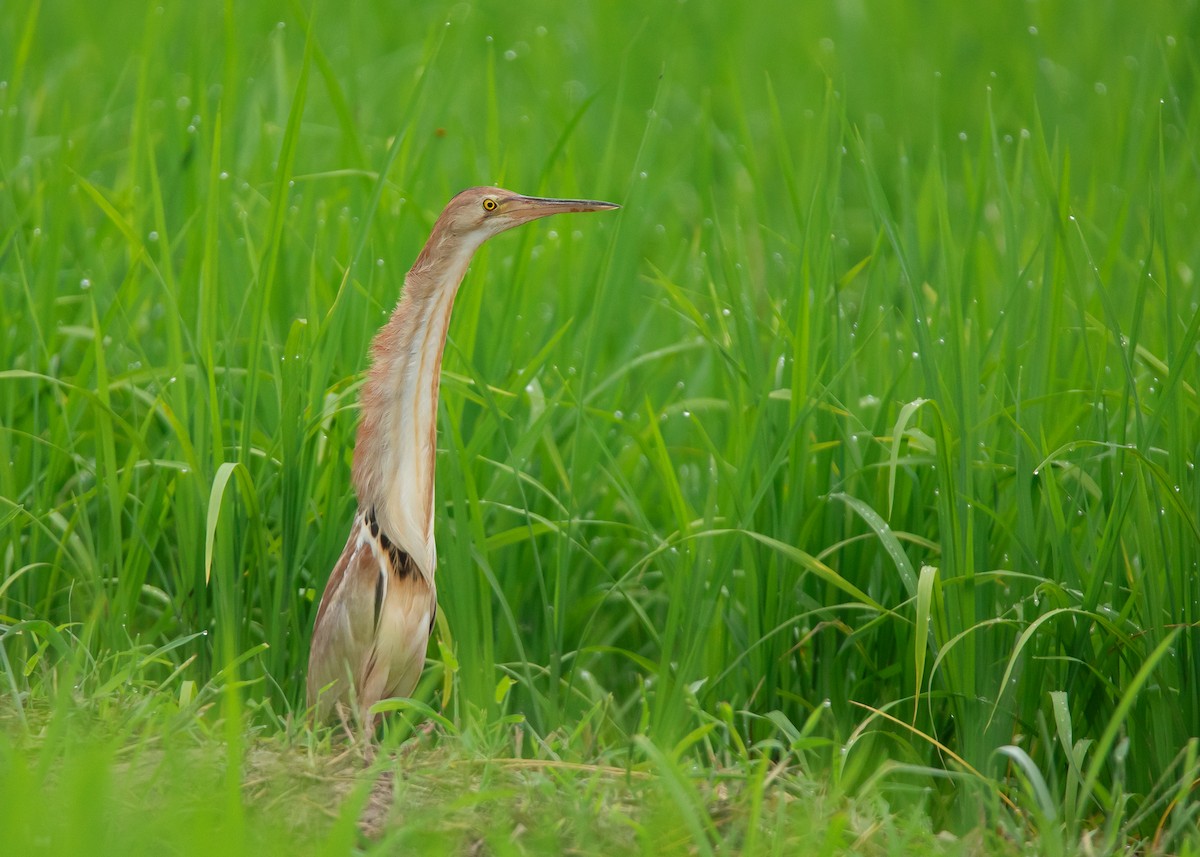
{"x": 373, "y": 625}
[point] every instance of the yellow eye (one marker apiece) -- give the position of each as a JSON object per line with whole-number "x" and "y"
{"x": 489, "y": 204}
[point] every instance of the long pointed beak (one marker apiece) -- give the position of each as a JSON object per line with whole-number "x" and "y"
{"x": 525, "y": 208}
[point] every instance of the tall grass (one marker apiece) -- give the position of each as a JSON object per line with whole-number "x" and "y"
{"x": 863, "y": 437}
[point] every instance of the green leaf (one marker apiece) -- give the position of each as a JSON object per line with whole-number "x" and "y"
{"x": 886, "y": 537}
{"x": 906, "y": 414}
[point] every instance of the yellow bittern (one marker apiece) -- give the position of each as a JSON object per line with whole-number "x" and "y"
{"x": 379, "y": 605}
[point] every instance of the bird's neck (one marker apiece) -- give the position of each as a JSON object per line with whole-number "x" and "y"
{"x": 394, "y": 455}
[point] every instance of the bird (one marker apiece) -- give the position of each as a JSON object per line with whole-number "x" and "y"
{"x": 380, "y": 602}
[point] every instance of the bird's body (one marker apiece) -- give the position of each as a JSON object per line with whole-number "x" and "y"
{"x": 379, "y": 605}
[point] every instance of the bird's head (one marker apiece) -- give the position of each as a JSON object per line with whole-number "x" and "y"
{"x": 481, "y": 212}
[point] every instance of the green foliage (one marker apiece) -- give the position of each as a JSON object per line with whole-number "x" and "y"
{"x": 858, "y": 447}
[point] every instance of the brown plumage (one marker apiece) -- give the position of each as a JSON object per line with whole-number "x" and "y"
{"x": 379, "y": 605}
